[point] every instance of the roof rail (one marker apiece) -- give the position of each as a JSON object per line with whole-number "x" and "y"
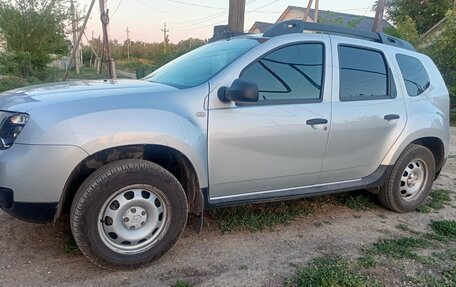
{"x": 299, "y": 26}
{"x": 225, "y": 36}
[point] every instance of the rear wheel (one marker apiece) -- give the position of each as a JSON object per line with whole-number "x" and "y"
{"x": 410, "y": 181}
{"x": 128, "y": 213}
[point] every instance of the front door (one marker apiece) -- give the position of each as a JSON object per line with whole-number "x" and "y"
{"x": 278, "y": 143}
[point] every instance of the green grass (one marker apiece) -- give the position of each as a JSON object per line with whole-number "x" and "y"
{"x": 445, "y": 278}
{"x": 263, "y": 216}
{"x": 181, "y": 283}
{"x": 69, "y": 246}
{"x": 435, "y": 237}
{"x": 400, "y": 248}
{"x": 259, "y": 216}
{"x": 360, "y": 202}
{"x": 451, "y": 274}
{"x": 438, "y": 200}
{"x": 445, "y": 228}
{"x": 243, "y": 267}
{"x": 133, "y": 64}
{"x": 329, "y": 271}
{"x": 367, "y": 261}
{"x": 86, "y": 73}
{"x": 427, "y": 259}
{"x": 405, "y": 227}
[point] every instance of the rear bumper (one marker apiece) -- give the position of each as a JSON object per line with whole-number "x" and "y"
{"x": 27, "y": 211}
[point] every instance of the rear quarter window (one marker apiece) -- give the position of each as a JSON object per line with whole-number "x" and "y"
{"x": 415, "y": 76}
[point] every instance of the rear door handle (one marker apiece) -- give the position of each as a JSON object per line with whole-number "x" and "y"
{"x": 312, "y": 122}
{"x": 391, "y": 117}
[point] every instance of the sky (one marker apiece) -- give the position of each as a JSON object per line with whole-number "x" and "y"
{"x": 195, "y": 18}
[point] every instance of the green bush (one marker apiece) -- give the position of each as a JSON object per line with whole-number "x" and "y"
{"x": 10, "y": 83}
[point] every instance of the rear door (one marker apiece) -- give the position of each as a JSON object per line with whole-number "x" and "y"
{"x": 278, "y": 143}
{"x": 368, "y": 112}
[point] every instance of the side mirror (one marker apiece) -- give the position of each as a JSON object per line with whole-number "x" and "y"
{"x": 240, "y": 91}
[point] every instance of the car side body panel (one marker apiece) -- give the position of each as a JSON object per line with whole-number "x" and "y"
{"x": 428, "y": 114}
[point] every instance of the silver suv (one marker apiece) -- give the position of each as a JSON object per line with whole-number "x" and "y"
{"x": 245, "y": 119}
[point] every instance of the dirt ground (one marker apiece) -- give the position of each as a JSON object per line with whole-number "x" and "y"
{"x": 34, "y": 255}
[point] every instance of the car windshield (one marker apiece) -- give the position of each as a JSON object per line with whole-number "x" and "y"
{"x": 202, "y": 64}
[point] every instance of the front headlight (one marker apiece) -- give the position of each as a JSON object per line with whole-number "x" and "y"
{"x": 11, "y": 124}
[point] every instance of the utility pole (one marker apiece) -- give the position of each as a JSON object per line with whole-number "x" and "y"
{"x": 236, "y": 16}
{"x": 165, "y": 37}
{"x": 128, "y": 44}
{"x": 78, "y": 40}
{"x": 92, "y": 50}
{"x": 101, "y": 52}
{"x": 317, "y": 4}
{"x": 378, "y": 21}
{"x": 307, "y": 11}
{"x": 105, "y": 21}
{"x": 75, "y": 35}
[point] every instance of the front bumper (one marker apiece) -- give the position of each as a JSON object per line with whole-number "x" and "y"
{"x": 31, "y": 212}
{"x": 33, "y": 177}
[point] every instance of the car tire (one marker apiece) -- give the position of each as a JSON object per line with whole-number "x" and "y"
{"x": 128, "y": 213}
{"x": 410, "y": 181}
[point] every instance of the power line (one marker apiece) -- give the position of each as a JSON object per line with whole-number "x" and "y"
{"x": 197, "y": 5}
{"x": 207, "y": 25}
{"x": 266, "y": 5}
{"x": 367, "y": 9}
{"x": 225, "y": 9}
{"x": 160, "y": 11}
{"x": 203, "y": 21}
{"x": 117, "y": 8}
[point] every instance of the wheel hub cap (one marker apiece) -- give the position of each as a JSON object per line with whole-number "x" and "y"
{"x": 133, "y": 219}
{"x": 413, "y": 179}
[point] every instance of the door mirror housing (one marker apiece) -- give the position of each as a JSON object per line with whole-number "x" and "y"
{"x": 241, "y": 91}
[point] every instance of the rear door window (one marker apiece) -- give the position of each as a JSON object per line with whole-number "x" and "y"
{"x": 363, "y": 74}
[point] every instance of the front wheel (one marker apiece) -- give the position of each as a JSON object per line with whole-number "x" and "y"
{"x": 128, "y": 213}
{"x": 410, "y": 181}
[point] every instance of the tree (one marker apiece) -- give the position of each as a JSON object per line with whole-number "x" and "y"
{"x": 407, "y": 30}
{"x": 442, "y": 50}
{"x": 33, "y": 30}
{"x": 424, "y": 13}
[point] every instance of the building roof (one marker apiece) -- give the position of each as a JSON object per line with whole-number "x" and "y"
{"x": 363, "y": 23}
{"x": 261, "y": 26}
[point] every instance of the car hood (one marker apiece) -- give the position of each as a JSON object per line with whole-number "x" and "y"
{"x": 27, "y": 98}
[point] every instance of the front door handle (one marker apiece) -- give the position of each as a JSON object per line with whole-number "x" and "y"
{"x": 312, "y": 122}
{"x": 391, "y": 117}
